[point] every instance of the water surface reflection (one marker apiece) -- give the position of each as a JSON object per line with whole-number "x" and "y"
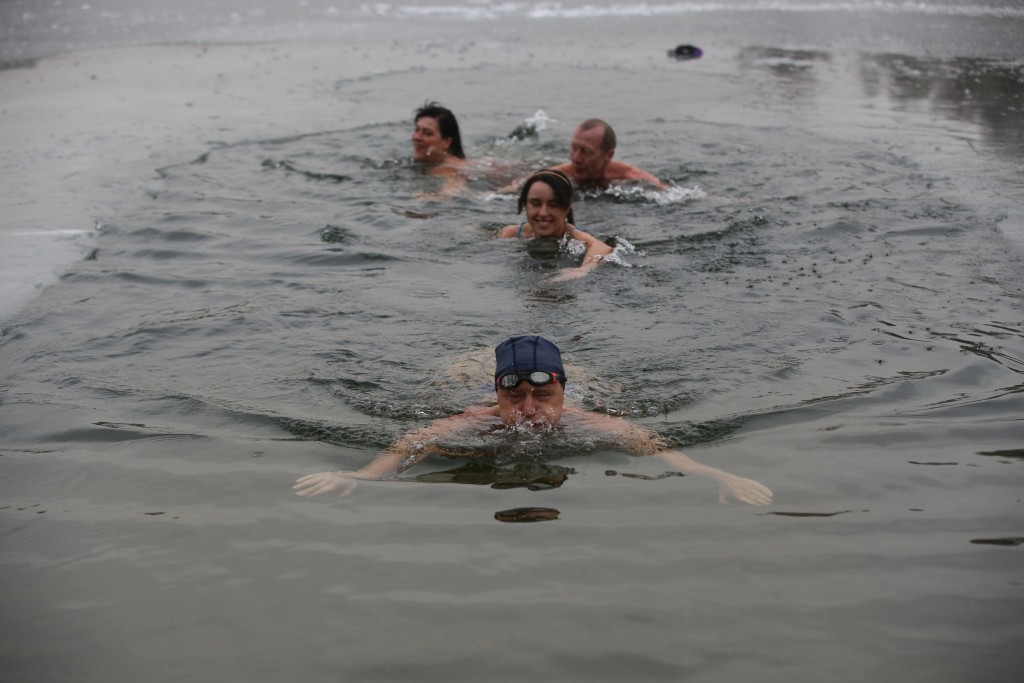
{"x": 987, "y": 93}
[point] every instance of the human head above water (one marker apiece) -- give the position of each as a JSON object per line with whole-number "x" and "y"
{"x": 591, "y": 152}
{"x": 528, "y": 404}
{"x": 447, "y": 124}
{"x": 608, "y": 141}
{"x": 526, "y": 354}
{"x": 560, "y": 185}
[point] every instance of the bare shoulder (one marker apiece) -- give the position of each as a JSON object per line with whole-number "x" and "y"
{"x": 508, "y": 231}
{"x": 454, "y": 162}
{"x": 444, "y": 171}
{"x": 580, "y": 234}
{"x": 633, "y": 438}
{"x": 620, "y": 170}
{"x": 479, "y": 411}
{"x": 592, "y": 420}
{"x": 601, "y": 422}
{"x": 453, "y": 423}
{"x": 565, "y": 168}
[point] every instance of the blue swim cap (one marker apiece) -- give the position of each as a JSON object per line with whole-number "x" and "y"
{"x": 523, "y": 354}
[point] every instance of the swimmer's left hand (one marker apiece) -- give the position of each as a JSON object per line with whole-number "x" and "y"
{"x": 568, "y": 274}
{"x": 325, "y": 482}
{"x": 744, "y": 490}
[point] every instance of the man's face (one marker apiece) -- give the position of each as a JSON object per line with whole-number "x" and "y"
{"x": 587, "y": 156}
{"x": 527, "y": 405}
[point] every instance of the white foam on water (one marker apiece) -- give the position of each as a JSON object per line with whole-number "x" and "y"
{"x": 539, "y": 120}
{"x": 622, "y": 249}
{"x": 673, "y": 194}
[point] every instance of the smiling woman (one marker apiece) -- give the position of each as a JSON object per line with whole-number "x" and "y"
{"x": 547, "y": 197}
{"x": 436, "y": 139}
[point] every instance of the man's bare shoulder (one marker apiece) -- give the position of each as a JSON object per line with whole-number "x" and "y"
{"x": 633, "y": 438}
{"x": 479, "y": 411}
{"x": 620, "y": 170}
{"x": 468, "y": 416}
{"x": 593, "y": 420}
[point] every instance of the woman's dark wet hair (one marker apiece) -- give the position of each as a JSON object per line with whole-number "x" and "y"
{"x": 447, "y": 124}
{"x": 560, "y": 185}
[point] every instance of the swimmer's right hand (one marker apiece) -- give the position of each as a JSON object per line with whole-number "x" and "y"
{"x": 568, "y": 274}
{"x": 325, "y": 482}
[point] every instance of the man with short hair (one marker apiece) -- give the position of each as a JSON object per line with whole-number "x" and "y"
{"x": 529, "y": 381}
{"x": 590, "y": 162}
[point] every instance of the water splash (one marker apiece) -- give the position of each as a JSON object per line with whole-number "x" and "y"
{"x": 673, "y": 194}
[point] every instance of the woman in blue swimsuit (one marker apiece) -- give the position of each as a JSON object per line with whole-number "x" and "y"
{"x": 547, "y": 197}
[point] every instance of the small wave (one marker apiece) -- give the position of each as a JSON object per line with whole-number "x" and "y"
{"x": 622, "y": 248}
{"x": 292, "y": 167}
{"x": 335, "y": 234}
{"x": 54, "y": 233}
{"x": 529, "y": 128}
{"x": 337, "y": 258}
{"x": 674, "y": 194}
{"x": 113, "y": 432}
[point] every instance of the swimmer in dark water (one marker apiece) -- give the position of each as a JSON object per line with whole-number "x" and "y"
{"x": 529, "y": 381}
{"x": 437, "y": 145}
{"x": 591, "y": 164}
{"x": 547, "y": 197}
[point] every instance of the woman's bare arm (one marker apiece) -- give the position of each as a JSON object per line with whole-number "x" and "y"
{"x": 596, "y": 251}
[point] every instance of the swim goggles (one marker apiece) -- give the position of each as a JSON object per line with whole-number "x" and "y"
{"x": 537, "y": 378}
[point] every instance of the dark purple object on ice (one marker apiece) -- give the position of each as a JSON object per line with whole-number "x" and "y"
{"x": 682, "y": 52}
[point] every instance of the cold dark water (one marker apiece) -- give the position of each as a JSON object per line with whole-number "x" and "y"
{"x": 829, "y": 300}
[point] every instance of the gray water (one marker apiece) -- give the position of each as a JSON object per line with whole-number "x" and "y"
{"x": 827, "y": 300}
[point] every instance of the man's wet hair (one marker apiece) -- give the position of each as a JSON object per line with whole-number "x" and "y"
{"x": 447, "y": 124}
{"x": 608, "y": 141}
{"x": 560, "y": 185}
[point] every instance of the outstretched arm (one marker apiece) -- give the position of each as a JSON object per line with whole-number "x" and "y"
{"x": 342, "y": 481}
{"x": 596, "y": 251}
{"x": 729, "y": 485}
{"x": 640, "y": 441}
{"x": 402, "y": 454}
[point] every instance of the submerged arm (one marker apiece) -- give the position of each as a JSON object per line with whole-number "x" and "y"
{"x": 404, "y": 453}
{"x": 729, "y": 485}
{"x": 454, "y": 184}
{"x": 640, "y": 441}
{"x": 453, "y": 180}
{"x": 596, "y": 251}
